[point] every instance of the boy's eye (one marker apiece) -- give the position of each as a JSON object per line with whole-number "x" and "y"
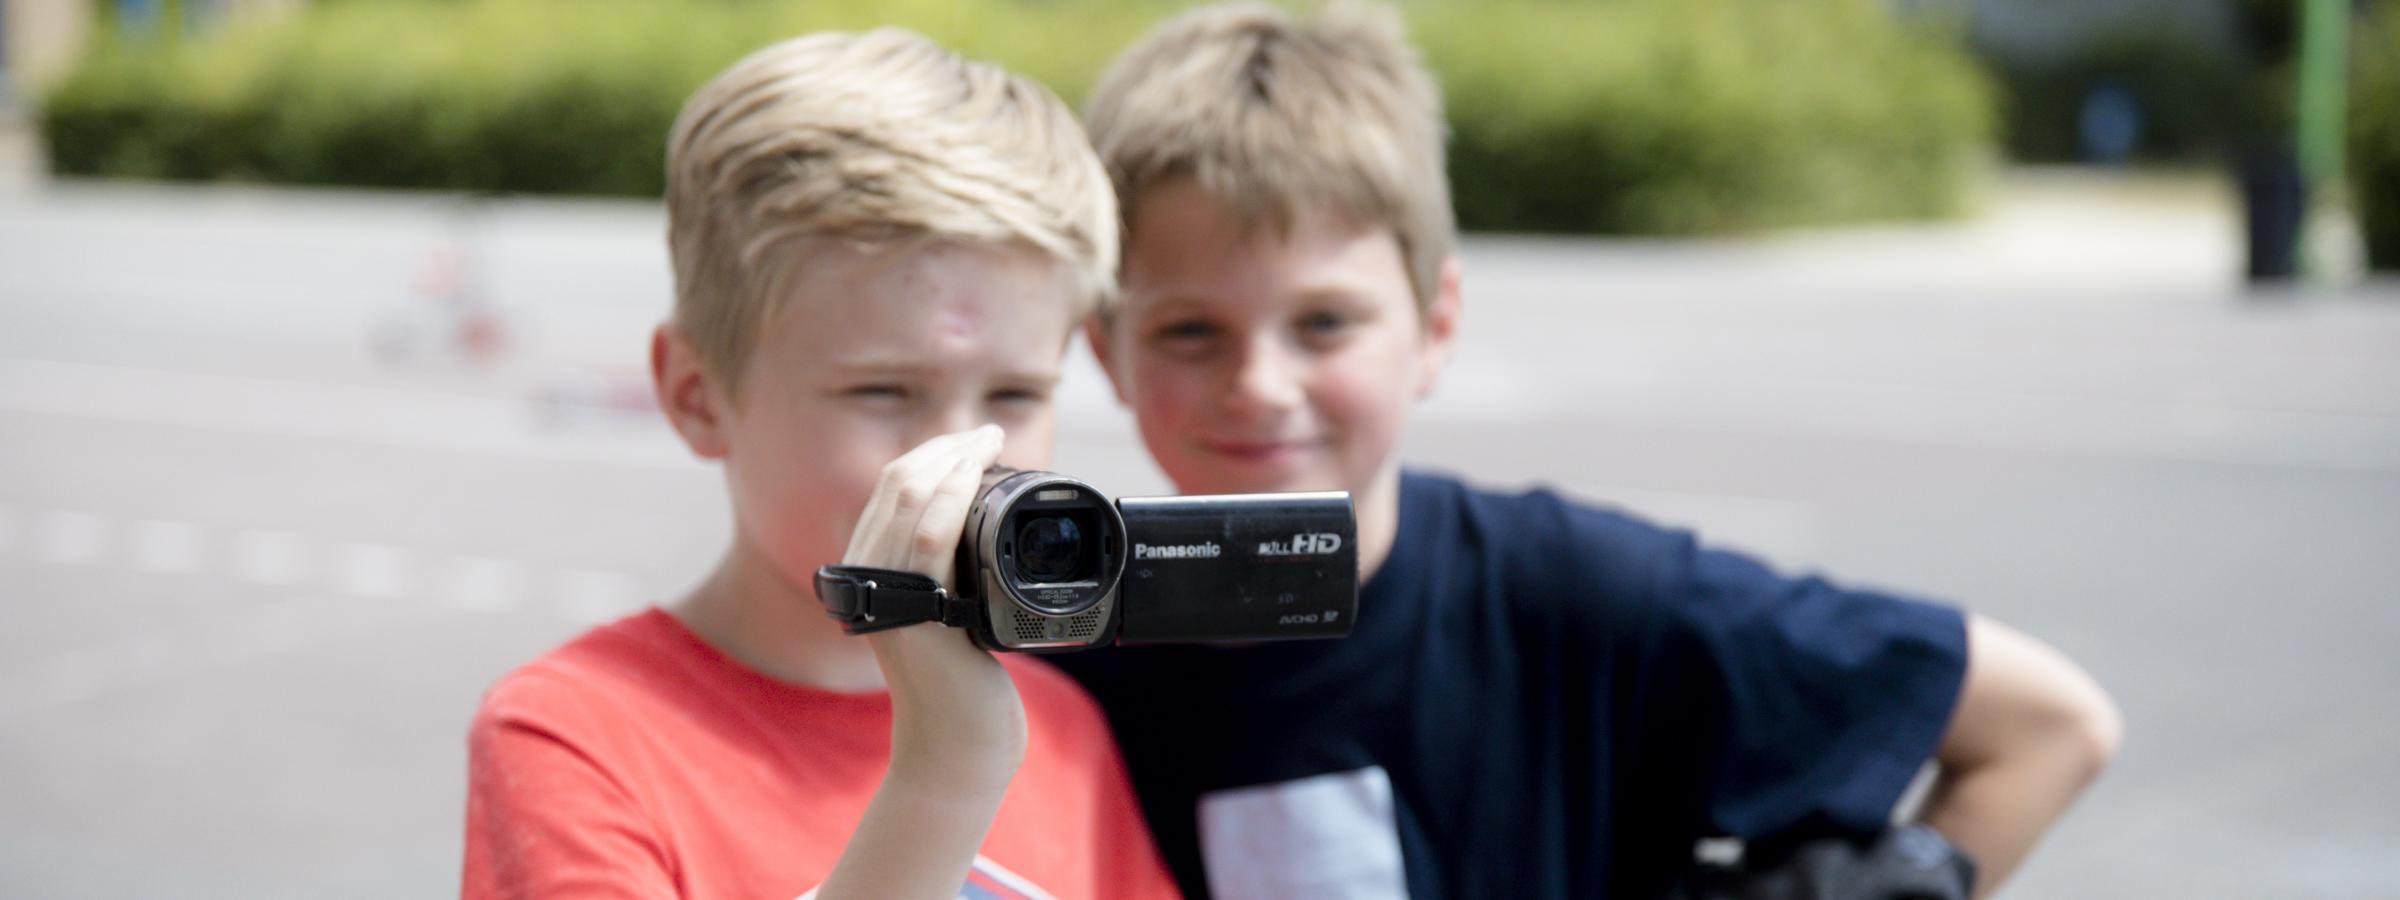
{"x": 1016, "y": 395}
{"x": 1323, "y": 328}
{"x": 886, "y": 393}
{"x": 1183, "y": 330}
{"x": 1186, "y": 337}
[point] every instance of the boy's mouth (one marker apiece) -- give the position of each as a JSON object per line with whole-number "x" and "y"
{"x": 1258, "y": 452}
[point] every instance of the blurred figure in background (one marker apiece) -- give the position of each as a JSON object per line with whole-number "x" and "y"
{"x": 2265, "y": 153}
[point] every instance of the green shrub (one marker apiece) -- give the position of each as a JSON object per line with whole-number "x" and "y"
{"x": 1623, "y": 116}
{"x": 159, "y": 110}
{"x": 1701, "y": 115}
{"x": 2374, "y": 151}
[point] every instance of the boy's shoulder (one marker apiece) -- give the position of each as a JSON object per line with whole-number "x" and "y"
{"x": 1553, "y": 561}
{"x": 1541, "y": 535}
{"x": 572, "y": 679}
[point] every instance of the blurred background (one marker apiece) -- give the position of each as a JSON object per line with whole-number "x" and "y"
{"x": 322, "y": 399}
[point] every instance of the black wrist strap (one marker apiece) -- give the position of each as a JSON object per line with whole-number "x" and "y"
{"x": 866, "y": 599}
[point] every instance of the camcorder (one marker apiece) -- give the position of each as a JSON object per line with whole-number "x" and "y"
{"x": 1049, "y": 564}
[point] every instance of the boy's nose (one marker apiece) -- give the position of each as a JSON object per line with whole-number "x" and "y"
{"x": 1265, "y": 381}
{"x": 951, "y": 419}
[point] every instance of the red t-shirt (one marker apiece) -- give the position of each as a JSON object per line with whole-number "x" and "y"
{"x": 639, "y": 761}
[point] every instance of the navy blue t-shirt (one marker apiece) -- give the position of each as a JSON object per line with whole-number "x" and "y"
{"x": 1541, "y": 700}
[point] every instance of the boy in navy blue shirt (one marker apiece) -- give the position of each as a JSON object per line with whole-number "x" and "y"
{"x": 1542, "y": 699}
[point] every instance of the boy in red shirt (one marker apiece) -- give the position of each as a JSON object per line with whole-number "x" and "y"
{"x": 878, "y": 246}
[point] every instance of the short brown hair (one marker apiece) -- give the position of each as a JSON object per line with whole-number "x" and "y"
{"x": 877, "y": 137}
{"x": 1269, "y": 116}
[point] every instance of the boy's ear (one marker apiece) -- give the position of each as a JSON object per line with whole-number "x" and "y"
{"x": 1440, "y": 327}
{"x": 1096, "y": 332}
{"x": 691, "y": 403}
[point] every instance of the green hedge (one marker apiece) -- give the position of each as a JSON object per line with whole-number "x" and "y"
{"x": 1698, "y": 115}
{"x": 2374, "y": 151}
{"x": 1622, "y": 116}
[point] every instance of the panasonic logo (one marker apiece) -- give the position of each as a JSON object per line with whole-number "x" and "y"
{"x": 1302, "y": 545}
{"x": 1178, "y": 551}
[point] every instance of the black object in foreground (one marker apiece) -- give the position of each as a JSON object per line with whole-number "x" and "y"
{"x": 1908, "y": 862}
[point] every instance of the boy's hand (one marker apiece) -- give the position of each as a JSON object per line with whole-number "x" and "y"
{"x": 957, "y": 723}
{"x": 958, "y": 729}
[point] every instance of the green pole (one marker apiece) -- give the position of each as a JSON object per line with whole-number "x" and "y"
{"x": 2324, "y": 72}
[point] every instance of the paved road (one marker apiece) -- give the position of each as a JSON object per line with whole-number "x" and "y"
{"x": 254, "y": 575}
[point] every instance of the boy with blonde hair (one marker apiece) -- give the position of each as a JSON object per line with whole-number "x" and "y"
{"x": 880, "y": 251}
{"x": 1542, "y": 699}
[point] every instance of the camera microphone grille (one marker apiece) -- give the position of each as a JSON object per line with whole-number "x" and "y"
{"x": 1087, "y": 623}
{"x": 1028, "y": 628}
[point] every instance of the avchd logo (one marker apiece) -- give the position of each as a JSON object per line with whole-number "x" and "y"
{"x": 1178, "y": 551}
{"x": 1317, "y": 544}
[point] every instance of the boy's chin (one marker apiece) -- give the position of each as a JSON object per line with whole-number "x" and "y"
{"x": 1224, "y": 481}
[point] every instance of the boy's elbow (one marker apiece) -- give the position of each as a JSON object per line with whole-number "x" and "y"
{"x": 2097, "y": 729}
{"x": 2081, "y": 727}
{"x": 2025, "y": 701}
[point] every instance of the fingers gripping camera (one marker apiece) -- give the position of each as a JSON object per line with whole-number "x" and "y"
{"x": 1048, "y": 564}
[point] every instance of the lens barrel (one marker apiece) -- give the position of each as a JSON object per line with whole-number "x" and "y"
{"x": 1042, "y": 555}
{"x": 1050, "y": 548}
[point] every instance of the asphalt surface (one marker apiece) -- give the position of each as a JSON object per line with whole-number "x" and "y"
{"x": 268, "y": 524}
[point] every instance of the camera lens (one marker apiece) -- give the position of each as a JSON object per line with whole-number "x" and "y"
{"x": 1050, "y": 549}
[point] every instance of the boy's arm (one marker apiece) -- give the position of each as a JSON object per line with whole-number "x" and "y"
{"x": 2031, "y": 730}
{"x": 958, "y": 727}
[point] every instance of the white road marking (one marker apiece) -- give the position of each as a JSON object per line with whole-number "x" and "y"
{"x": 136, "y": 660}
{"x": 272, "y": 558}
{"x": 167, "y": 547}
{"x": 497, "y": 423}
{"x": 276, "y": 558}
{"x": 483, "y": 584}
{"x": 72, "y": 537}
{"x": 371, "y": 569}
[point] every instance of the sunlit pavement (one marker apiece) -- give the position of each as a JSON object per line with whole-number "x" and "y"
{"x": 287, "y": 477}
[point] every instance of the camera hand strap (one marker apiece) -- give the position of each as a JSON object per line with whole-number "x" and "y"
{"x": 866, "y": 599}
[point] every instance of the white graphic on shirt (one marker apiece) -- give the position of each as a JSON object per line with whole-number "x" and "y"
{"x": 1324, "y": 837}
{"x": 987, "y": 880}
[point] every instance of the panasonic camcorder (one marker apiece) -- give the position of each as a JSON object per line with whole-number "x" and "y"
{"x": 1052, "y": 564}
{"x": 1048, "y": 564}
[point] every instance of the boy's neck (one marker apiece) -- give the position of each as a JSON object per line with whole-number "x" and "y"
{"x": 749, "y": 611}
